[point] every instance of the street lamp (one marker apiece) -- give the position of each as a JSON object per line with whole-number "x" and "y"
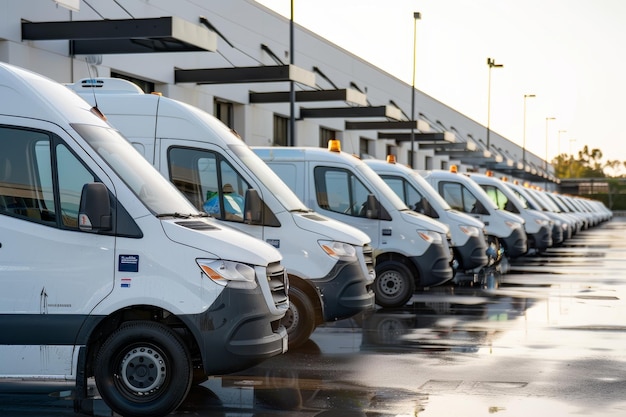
{"x": 416, "y": 17}
{"x": 559, "y": 142}
{"x": 571, "y": 157}
{"x": 546, "y": 161}
{"x": 524, "y": 140}
{"x": 491, "y": 63}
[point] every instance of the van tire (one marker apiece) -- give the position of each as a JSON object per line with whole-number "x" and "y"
{"x": 127, "y": 375}
{"x": 394, "y": 284}
{"x": 299, "y": 320}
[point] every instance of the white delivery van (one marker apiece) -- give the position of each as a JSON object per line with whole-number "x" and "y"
{"x": 468, "y": 241}
{"x": 538, "y": 226}
{"x": 108, "y": 271}
{"x": 504, "y": 229}
{"x": 411, "y": 250}
{"x": 330, "y": 264}
{"x": 559, "y": 226}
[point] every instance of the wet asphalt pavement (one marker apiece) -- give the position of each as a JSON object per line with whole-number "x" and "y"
{"x": 550, "y": 341}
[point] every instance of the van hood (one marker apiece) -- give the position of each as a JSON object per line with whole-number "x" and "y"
{"x": 465, "y": 219}
{"x": 511, "y": 216}
{"x": 424, "y": 222}
{"x": 206, "y": 235}
{"x": 330, "y": 229}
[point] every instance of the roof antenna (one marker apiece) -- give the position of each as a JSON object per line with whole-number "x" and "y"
{"x": 93, "y": 60}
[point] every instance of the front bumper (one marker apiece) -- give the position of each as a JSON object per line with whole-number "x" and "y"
{"x": 473, "y": 254}
{"x": 540, "y": 240}
{"x": 237, "y": 331}
{"x": 515, "y": 245}
{"x": 434, "y": 266}
{"x": 345, "y": 291}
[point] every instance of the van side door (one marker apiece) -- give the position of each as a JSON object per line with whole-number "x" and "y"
{"x": 52, "y": 274}
{"x": 340, "y": 195}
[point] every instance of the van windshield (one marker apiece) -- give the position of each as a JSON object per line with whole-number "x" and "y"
{"x": 380, "y": 185}
{"x": 430, "y": 192}
{"x": 265, "y": 175}
{"x": 154, "y": 191}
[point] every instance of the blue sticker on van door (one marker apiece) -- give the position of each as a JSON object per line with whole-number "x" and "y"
{"x": 128, "y": 263}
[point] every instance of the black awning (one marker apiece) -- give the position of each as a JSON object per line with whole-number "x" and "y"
{"x": 388, "y": 125}
{"x": 89, "y": 37}
{"x": 349, "y": 95}
{"x": 242, "y": 75}
{"x": 429, "y": 138}
{"x": 389, "y": 112}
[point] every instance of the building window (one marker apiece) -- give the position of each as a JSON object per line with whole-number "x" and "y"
{"x": 326, "y": 135}
{"x": 281, "y": 131}
{"x": 146, "y": 86}
{"x": 364, "y": 147}
{"x": 224, "y": 111}
{"x": 428, "y": 162}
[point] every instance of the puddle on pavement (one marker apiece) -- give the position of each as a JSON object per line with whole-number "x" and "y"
{"x": 289, "y": 391}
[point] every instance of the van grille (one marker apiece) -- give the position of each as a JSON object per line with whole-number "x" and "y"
{"x": 368, "y": 254}
{"x": 277, "y": 279}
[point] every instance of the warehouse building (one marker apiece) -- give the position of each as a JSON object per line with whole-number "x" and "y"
{"x": 233, "y": 59}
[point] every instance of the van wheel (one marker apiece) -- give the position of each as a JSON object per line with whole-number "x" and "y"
{"x": 143, "y": 369}
{"x": 299, "y": 320}
{"x": 394, "y": 284}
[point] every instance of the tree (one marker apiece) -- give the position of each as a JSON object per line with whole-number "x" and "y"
{"x": 588, "y": 164}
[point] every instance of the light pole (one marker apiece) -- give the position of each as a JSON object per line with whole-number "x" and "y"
{"x": 559, "y": 143}
{"x": 571, "y": 157}
{"x": 491, "y": 63}
{"x": 416, "y": 17}
{"x": 546, "y": 161}
{"x": 292, "y": 90}
{"x": 524, "y": 139}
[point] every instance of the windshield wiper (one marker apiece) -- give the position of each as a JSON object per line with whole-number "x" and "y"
{"x": 300, "y": 210}
{"x": 175, "y": 215}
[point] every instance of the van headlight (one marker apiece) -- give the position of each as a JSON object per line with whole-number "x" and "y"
{"x": 472, "y": 231}
{"x": 338, "y": 250}
{"x": 430, "y": 236}
{"x": 513, "y": 225}
{"x": 542, "y": 222}
{"x": 228, "y": 273}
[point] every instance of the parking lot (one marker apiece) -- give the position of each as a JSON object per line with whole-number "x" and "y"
{"x": 548, "y": 341}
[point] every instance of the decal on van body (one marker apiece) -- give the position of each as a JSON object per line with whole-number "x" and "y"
{"x": 128, "y": 263}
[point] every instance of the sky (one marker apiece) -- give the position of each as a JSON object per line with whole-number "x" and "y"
{"x": 571, "y": 54}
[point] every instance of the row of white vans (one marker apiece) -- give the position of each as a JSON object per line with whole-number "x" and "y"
{"x": 108, "y": 271}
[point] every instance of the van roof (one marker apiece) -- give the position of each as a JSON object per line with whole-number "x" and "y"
{"x": 290, "y": 153}
{"x": 28, "y": 94}
{"x": 123, "y": 102}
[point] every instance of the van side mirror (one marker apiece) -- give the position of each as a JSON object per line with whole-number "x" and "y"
{"x": 253, "y": 207}
{"x": 371, "y": 208}
{"x": 94, "y": 213}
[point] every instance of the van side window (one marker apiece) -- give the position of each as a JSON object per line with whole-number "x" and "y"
{"x": 209, "y": 182}
{"x": 27, "y": 186}
{"x": 460, "y": 198}
{"x": 414, "y": 200}
{"x": 340, "y": 191}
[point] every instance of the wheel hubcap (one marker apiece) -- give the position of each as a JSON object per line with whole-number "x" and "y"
{"x": 391, "y": 283}
{"x": 291, "y": 319}
{"x": 143, "y": 370}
